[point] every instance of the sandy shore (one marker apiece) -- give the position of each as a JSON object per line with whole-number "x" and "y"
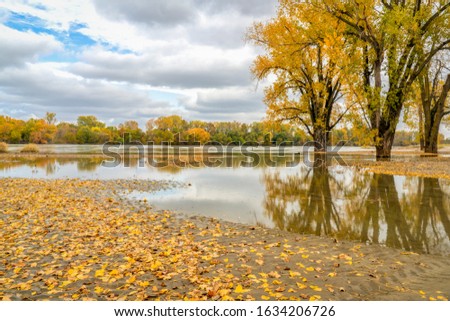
{"x": 437, "y": 167}
{"x": 82, "y": 240}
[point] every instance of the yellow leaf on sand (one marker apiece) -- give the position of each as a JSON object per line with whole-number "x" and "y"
{"x": 332, "y": 274}
{"x": 99, "y": 273}
{"x": 223, "y": 292}
{"x": 114, "y": 272}
{"x": 274, "y": 274}
{"x": 301, "y": 286}
{"x": 72, "y": 272}
{"x": 315, "y": 298}
{"x": 65, "y": 283}
{"x": 265, "y": 297}
{"x": 310, "y": 269}
{"x": 315, "y": 288}
{"x": 98, "y": 290}
{"x": 293, "y": 274}
{"x": 25, "y": 286}
{"x": 131, "y": 279}
{"x": 240, "y": 289}
{"x": 156, "y": 265}
{"x": 144, "y": 284}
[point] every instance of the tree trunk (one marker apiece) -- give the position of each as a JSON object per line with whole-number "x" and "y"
{"x": 421, "y": 131}
{"x": 387, "y": 124}
{"x": 431, "y": 130}
{"x": 385, "y": 140}
{"x": 431, "y": 145}
{"x": 320, "y": 140}
{"x": 433, "y": 112}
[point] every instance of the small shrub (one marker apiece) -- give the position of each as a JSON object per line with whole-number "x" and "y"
{"x": 3, "y": 147}
{"x": 30, "y": 148}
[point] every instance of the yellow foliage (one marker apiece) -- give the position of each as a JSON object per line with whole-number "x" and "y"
{"x": 240, "y": 289}
{"x": 30, "y": 148}
{"x": 99, "y": 273}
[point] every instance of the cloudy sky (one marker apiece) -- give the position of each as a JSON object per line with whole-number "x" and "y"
{"x": 134, "y": 59}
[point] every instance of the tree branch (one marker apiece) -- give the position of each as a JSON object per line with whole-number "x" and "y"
{"x": 438, "y": 13}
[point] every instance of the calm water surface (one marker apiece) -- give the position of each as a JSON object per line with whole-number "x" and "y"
{"x": 410, "y": 213}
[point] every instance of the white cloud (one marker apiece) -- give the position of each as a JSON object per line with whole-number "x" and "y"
{"x": 193, "y": 51}
{"x": 47, "y": 89}
{"x": 187, "y": 67}
{"x": 149, "y": 12}
{"x": 231, "y": 103}
{"x": 17, "y": 47}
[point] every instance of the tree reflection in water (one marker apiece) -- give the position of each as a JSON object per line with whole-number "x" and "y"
{"x": 411, "y": 213}
{"x": 372, "y": 208}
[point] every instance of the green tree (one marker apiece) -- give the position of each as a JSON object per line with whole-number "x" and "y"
{"x": 50, "y": 118}
{"x": 90, "y": 122}
{"x": 130, "y": 130}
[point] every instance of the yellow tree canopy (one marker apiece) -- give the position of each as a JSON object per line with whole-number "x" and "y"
{"x": 308, "y": 59}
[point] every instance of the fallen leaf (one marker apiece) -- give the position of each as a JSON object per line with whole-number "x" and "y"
{"x": 240, "y": 289}
{"x": 274, "y": 274}
{"x": 99, "y": 273}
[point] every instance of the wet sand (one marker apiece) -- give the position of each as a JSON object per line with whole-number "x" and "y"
{"x": 437, "y": 167}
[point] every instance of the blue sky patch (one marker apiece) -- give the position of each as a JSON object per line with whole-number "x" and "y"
{"x": 72, "y": 39}
{"x": 158, "y": 95}
{"x": 25, "y": 22}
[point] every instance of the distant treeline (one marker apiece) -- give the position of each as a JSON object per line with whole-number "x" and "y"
{"x": 173, "y": 129}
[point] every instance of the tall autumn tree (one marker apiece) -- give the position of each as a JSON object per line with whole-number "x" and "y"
{"x": 434, "y": 88}
{"x": 397, "y": 39}
{"x": 305, "y": 51}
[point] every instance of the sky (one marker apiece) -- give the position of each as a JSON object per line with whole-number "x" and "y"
{"x": 130, "y": 60}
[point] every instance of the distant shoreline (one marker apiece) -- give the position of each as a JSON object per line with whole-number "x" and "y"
{"x": 97, "y": 150}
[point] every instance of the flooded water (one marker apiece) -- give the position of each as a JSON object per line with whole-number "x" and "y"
{"x": 410, "y": 213}
{"x": 98, "y": 149}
